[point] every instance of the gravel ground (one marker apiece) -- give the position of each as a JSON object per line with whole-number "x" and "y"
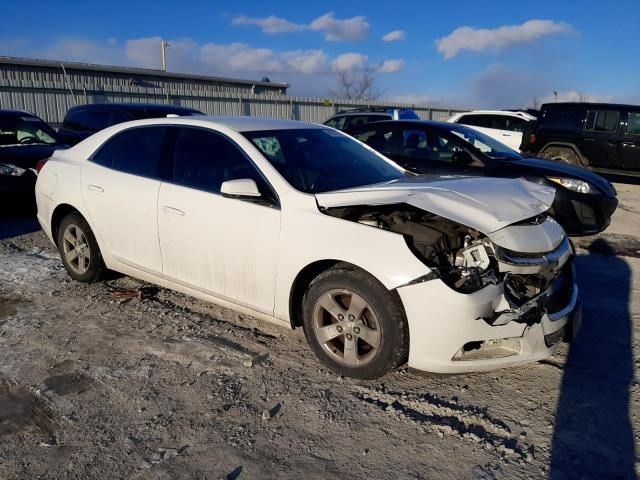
{"x": 96, "y": 384}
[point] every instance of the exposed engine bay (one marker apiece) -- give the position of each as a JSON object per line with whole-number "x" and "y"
{"x": 463, "y": 258}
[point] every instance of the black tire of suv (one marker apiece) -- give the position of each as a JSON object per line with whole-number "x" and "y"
{"x": 562, "y": 154}
{"x": 96, "y": 267}
{"x": 394, "y": 331}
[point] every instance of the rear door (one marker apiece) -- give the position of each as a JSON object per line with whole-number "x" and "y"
{"x": 120, "y": 186}
{"x": 630, "y": 141}
{"x": 602, "y": 138}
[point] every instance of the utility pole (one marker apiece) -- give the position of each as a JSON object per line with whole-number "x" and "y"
{"x": 164, "y": 45}
{"x": 555, "y": 94}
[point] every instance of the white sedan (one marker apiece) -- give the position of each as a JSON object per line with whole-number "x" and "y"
{"x": 302, "y": 225}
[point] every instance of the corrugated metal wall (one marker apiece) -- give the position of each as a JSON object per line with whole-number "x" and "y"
{"x": 50, "y": 95}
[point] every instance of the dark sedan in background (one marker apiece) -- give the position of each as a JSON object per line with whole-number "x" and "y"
{"x": 24, "y": 141}
{"x": 584, "y": 201}
{"x": 85, "y": 120}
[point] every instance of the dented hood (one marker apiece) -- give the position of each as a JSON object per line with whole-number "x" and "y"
{"x": 483, "y": 203}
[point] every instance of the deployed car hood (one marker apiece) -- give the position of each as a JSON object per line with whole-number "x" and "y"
{"x": 483, "y": 203}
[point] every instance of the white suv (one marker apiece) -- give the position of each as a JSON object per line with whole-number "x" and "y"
{"x": 504, "y": 126}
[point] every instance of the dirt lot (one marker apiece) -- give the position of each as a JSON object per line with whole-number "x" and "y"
{"x": 95, "y": 384}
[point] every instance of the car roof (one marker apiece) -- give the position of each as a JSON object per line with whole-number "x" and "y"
{"x": 15, "y": 113}
{"x": 508, "y": 113}
{"x": 588, "y": 105}
{"x": 132, "y": 106}
{"x": 360, "y": 112}
{"x": 239, "y": 124}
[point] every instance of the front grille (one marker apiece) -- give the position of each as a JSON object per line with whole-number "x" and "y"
{"x": 527, "y": 259}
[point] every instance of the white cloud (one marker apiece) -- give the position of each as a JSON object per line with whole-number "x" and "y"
{"x": 238, "y": 57}
{"x": 391, "y": 66}
{"x": 306, "y": 61}
{"x": 355, "y": 28}
{"x": 483, "y": 39}
{"x": 350, "y": 61}
{"x": 270, "y": 24}
{"x": 334, "y": 29}
{"x": 394, "y": 36}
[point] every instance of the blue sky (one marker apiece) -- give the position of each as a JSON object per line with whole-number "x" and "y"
{"x": 481, "y": 54}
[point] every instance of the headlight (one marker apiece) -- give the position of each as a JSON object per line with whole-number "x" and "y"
{"x": 11, "y": 170}
{"x": 579, "y": 186}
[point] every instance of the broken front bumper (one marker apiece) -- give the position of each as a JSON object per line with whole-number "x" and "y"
{"x": 451, "y": 332}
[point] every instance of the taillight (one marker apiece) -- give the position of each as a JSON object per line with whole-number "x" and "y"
{"x": 532, "y": 138}
{"x": 40, "y": 164}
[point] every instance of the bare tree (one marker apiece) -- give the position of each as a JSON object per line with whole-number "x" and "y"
{"x": 356, "y": 84}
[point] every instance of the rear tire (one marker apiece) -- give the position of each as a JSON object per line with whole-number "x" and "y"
{"x": 354, "y": 324}
{"x": 79, "y": 249}
{"x": 560, "y": 154}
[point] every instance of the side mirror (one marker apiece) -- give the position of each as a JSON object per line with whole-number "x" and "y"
{"x": 462, "y": 159}
{"x": 243, "y": 187}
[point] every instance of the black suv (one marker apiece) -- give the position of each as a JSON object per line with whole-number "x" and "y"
{"x": 359, "y": 116}
{"x": 602, "y": 136}
{"x": 85, "y": 120}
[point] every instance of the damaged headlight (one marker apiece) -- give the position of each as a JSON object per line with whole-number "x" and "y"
{"x": 574, "y": 185}
{"x": 11, "y": 170}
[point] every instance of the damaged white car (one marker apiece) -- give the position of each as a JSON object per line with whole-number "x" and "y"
{"x": 304, "y": 226}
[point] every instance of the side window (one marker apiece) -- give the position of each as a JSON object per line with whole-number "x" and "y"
{"x": 97, "y": 121}
{"x": 377, "y": 138}
{"x": 137, "y": 151}
{"x": 561, "y": 118}
{"x": 204, "y": 160}
{"x": 356, "y": 120}
{"x": 603, "y": 121}
{"x": 76, "y": 122}
{"x": 514, "y": 124}
{"x": 633, "y": 124}
{"x": 336, "y": 122}
{"x": 468, "y": 120}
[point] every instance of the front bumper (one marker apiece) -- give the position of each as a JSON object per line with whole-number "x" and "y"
{"x": 582, "y": 214}
{"x": 449, "y": 334}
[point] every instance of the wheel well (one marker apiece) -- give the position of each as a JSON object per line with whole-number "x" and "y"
{"x": 59, "y": 213}
{"x": 566, "y": 146}
{"x": 300, "y": 285}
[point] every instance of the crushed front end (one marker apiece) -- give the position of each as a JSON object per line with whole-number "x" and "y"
{"x": 490, "y": 300}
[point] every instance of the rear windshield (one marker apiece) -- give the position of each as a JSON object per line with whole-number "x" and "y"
{"x": 321, "y": 160}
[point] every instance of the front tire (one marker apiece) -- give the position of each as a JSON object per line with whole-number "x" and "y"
{"x": 79, "y": 249}
{"x": 564, "y": 155}
{"x": 354, "y": 324}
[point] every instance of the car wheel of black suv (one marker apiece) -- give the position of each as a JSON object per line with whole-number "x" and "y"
{"x": 79, "y": 250}
{"x": 354, "y": 324}
{"x": 561, "y": 154}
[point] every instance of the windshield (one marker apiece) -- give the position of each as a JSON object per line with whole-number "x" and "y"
{"x": 484, "y": 143}
{"x": 24, "y": 130}
{"x": 321, "y": 160}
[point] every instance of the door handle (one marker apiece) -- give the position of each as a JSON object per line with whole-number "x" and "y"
{"x": 506, "y": 134}
{"x": 629, "y": 144}
{"x": 96, "y": 188}
{"x": 173, "y": 211}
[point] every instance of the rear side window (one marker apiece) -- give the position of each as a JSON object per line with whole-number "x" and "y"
{"x": 356, "y": 120}
{"x": 604, "y": 121}
{"x": 561, "y": 118}
{"x": 137, "y": 151}
{"x": 336, "y": 122}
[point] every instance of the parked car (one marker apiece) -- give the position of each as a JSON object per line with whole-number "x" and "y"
{"x": 505, "y": 126}
{"x": 24, "y": 141}
{"x": 302, "y": 225}
{"x": 601, "y": 136}
{"x": 85, "y": 120}
{"x": 584, "y": 201}
{"x": 358, "y": 116}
